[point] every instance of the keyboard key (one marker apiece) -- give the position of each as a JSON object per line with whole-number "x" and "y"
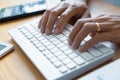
{"x": 46, "y": 52}
{"x": 54, "y": 50}
{"x": 63, "y": 69}
{"x": 50, "y": 46}
{"x": 67, "y": 60}
{"x": 50, "y": 55}
{"x": 41, "y": 38}
{"x": 63, "y": 56}
{"x": 35, "y": 42}
{"x": 94, "y": 52}
{"x": 87, "y": 56}
{"x": 69, "y": 28}
{"x": 53, "y": 59}
{"x": 102, "y": 48}
{"x": 38, "y": 35}
{"x": 72, "y": 55}
{"x": 57, "y": 64}
{"x": 60, "y": 45}
{"x": 65, "y": 42}
{"x": 44, "y": 41}
{"x": 50, "y": 36}
{"x": 58, "y": 53}
{"x": 56, "y": 42}
{"x": 64, "y": 48}
{"x": 71, "y": 65}
{"x": 60, "y": 36}
{"x": 79, "y": 60}
{"x": 41, "y": 48}
{"x": 53, "y": 39}
{"x": 47, "y": 43}
{"x": 68, "y": 51}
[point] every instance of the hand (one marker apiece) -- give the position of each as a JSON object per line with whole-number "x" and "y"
{"x": 109, "y": 31}
{"x": 66, "y": 10}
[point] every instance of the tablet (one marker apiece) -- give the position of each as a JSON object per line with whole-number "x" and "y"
{"x": 22, "y": 10}
{"x": 5, "y": 48}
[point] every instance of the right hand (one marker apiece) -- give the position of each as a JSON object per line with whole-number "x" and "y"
{"x": 66, "y": 10}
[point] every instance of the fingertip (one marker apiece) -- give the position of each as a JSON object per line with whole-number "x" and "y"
{"x": 39, "y": 26}
{"x": 74, "y": 46}
{"x": 42, "y": 29}
{"x": 57, "y": 32}
{"x": 82, "y": 49}
{"x": 69, "y": 41}
{"x": 47, "y": 31}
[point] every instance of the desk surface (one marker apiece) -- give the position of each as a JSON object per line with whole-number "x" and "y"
{"x": 15, "y": 65}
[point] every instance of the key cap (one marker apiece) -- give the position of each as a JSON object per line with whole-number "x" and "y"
{"x": 63, "y": 56}
{"x": 46, "y": 52}
{"x": 60, "y": 45}
{"x": 72, "y": 55}
{"x": 94, "y": 52}
{"x": 67, "y": 60}
{"x": 53, "y": 59}
{"x": 57, "y": 64}
{"x": 71, "y": 65}
{"x": 63, "y": 69}
{"x": 68, "y": 51}
{"x": 87, "y": 56}
{"x": 79, "y": 60}
{"x": 58, "y": 53}
{"x": 102, "y": 48}
{"x": 50, "y": 55}
{"x": 42, "y": 48}
{"x": 64, "y": 48}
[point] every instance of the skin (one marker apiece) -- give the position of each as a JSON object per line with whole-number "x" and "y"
{"x": 110, "y": 31}
{"x": 76, "y": 11}
{"x": 66, "y": 10}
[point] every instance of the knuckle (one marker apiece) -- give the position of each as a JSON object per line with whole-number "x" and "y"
{"x": 79, "y": 21}
{"x": 53, "y": 12}
{"x": 64, "y": 16}
{"x": 64, "y": 3}
{"x": 87, "y": 27}
{"x": 48, "y": 11}
{"x": 74, "y": 6}
{"x": 84, "y": 6}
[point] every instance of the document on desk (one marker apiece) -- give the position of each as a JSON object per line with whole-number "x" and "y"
{"x": 108, "y": 72}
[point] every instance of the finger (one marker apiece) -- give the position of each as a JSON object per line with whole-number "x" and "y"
{"x": 86, "y": 14}
{"x": 92, "y": 34}
{"x": 85, "y": 30}
{"x": 44, "y": 19}
{"x": 39, "y": 24}
{"x": 52, "y": 18}
{"x": 78, "y": 25}
{"x": 97, "y": 38}
{"x": 104, "y": 26}
{"x": 64, "y": 18}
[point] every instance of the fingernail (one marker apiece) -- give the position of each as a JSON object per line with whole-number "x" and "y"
{"x": 74, "y": 46}
{"x": 69, "y": 42}
{"x": 57, "y": 31}
{"x": 41, "y": 29}
{"x": 81, "y": 49}
{"x": 47, "y": 31}
{"x": 38, "y": 26}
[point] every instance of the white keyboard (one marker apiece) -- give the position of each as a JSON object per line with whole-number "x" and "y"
{"x": 52, "y": 55}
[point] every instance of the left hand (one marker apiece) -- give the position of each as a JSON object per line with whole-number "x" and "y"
{"x": 109, "y": 31}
